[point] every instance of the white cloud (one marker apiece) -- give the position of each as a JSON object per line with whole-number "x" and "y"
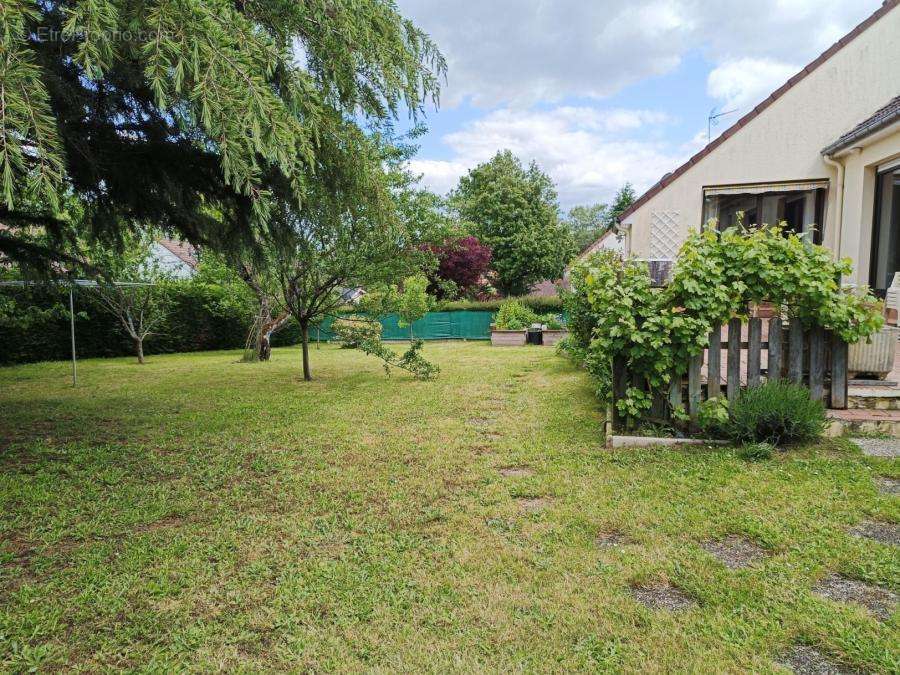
{"x": 518, "y": 52}
{"x": 582, "y": 149}
{"x": 743, "y": 83}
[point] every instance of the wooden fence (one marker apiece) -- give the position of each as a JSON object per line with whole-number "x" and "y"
{"x": 814, "y": 358}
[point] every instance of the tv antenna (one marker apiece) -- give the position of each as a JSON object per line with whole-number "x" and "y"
{"x": 713, "y": 120}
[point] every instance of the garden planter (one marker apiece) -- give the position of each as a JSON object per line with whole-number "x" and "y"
{"x": 508, "y": 338}
{"x": 876, "y": 357}
{"x": 553, "y": 336}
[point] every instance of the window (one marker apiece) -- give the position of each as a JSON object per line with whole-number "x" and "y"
{"x": 800, "y": 206}
{"x": 885, "y": 231}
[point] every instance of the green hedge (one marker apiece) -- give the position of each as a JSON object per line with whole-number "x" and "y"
{"x": 202, "y": 318}
{"x": 541, "y": 305}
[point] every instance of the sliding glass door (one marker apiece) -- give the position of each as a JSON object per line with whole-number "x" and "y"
{"x": 885, "y": 260}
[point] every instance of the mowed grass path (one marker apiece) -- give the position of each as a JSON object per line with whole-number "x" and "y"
{"x": 201, "y": 513}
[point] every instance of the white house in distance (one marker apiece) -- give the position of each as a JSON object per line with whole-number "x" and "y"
{"x": 178, "y": 258}
{"x": 822, "y": 153}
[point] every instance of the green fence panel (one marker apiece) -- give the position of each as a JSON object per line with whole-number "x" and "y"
{"x": 461, "y": 325}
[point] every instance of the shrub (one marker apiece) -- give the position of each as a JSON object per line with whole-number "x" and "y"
{"x": 756, "y": 452}
{"x": 552, "y": 322}
{"x": 354, "y": 330}
{"x": 540, "y": 304}
{"x": 777, "y": 412}
{"x": 712, "y": 417}
{"x": 513, "y": 315}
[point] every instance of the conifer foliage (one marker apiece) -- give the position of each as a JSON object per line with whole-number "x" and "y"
{"x": 197, "y": 116}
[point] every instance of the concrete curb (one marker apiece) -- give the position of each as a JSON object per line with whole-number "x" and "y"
{"x": 651, "y": 441}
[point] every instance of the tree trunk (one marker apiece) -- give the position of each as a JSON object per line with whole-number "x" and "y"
{"x": 139, "y": 349}
{"x": 264, "y": 346}
{"x": 304, "y": 332}
{"x": 268, "y": 328}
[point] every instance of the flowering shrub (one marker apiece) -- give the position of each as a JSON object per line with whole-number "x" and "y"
{"x": 716, "y": 277}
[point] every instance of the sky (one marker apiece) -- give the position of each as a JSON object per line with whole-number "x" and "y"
{"x": 600, "y": 92}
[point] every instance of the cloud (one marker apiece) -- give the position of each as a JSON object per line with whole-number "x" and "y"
{"x": 586, "y": 151}
{"x": 519, "y": 52}
{"x": 743, "y": 83}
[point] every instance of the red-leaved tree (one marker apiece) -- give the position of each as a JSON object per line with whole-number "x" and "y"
{"x": 463, "y": 261}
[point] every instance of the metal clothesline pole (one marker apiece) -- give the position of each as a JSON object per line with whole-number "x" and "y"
{"x": 87, "y": 283}
{"x": 72, "y": 330}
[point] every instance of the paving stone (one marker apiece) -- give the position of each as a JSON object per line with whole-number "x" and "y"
{"x": 735, "y": 552}
{"x": 612, "y": 540}
{"x": 532, "y": 504}
{"x": 805, "y": 660}
{"x": 879, "y": 601}
{"x": 878, "y": 447}
{"x": 878, "y": 530}
{"x": 516, "y": 472}
{"x": 888, "y": 486}
{"x": 663, "y": 597}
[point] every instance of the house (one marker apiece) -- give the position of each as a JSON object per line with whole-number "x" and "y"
{"x": 611, "y": 240}
{"x": 178, "y": 258}
{"x": 821, "y": 153}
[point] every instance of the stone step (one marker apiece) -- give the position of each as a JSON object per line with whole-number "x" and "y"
{"x": 873, "y": 398}
{"x": 865, "y": 421}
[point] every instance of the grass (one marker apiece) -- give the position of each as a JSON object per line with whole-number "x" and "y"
{"x": 207, "y": 514}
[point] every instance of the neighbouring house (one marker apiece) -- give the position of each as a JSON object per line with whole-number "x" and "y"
{"x": 611, "y": 240}
{"x": 352, "y": 296}
{"x": 178, "y": 258}
{"x": 821, "y": 153}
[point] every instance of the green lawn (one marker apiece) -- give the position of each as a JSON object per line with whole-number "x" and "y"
{"x": 203, "y": 513}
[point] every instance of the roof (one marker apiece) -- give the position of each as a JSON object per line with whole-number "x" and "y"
{"x": 597, "y": 244}
{"x": 881, "y": 119}
{"x": 746, "y": 119}
{"x": 547, "y": 288}
{"x": 182, "y": 250}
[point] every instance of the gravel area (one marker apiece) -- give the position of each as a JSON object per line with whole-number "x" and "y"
{"x": 734, "y": 551}
{"x": 878, "y": 447}
{"x": 884, "y": 532}
{"x": 663, "y": 597}
{"x": 879, "y": 601}
{"x": 532, "y": 504}
{"x": 612, "y": 540}
{"x": 516, "y": 472}
{"x": 888, "y": 486}
{"x": 805, "y": 660}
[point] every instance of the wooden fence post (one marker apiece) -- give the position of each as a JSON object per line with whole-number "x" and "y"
{"x": 817, "y": 363}
{"x": 754, "y": 352}
{"x": 795, "y": 351}
{"x": 838, "y": 373}
{"x": 714, "y": 363}
{"x": 675, "y": 391}
{"x": 734, "y": 359}
{"x": 775, "y": 349}
{"x": 694, "y": 366}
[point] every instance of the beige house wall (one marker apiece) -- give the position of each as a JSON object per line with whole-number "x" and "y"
{"x": 860, "y": 172}
{"x": 784, "y": 143}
